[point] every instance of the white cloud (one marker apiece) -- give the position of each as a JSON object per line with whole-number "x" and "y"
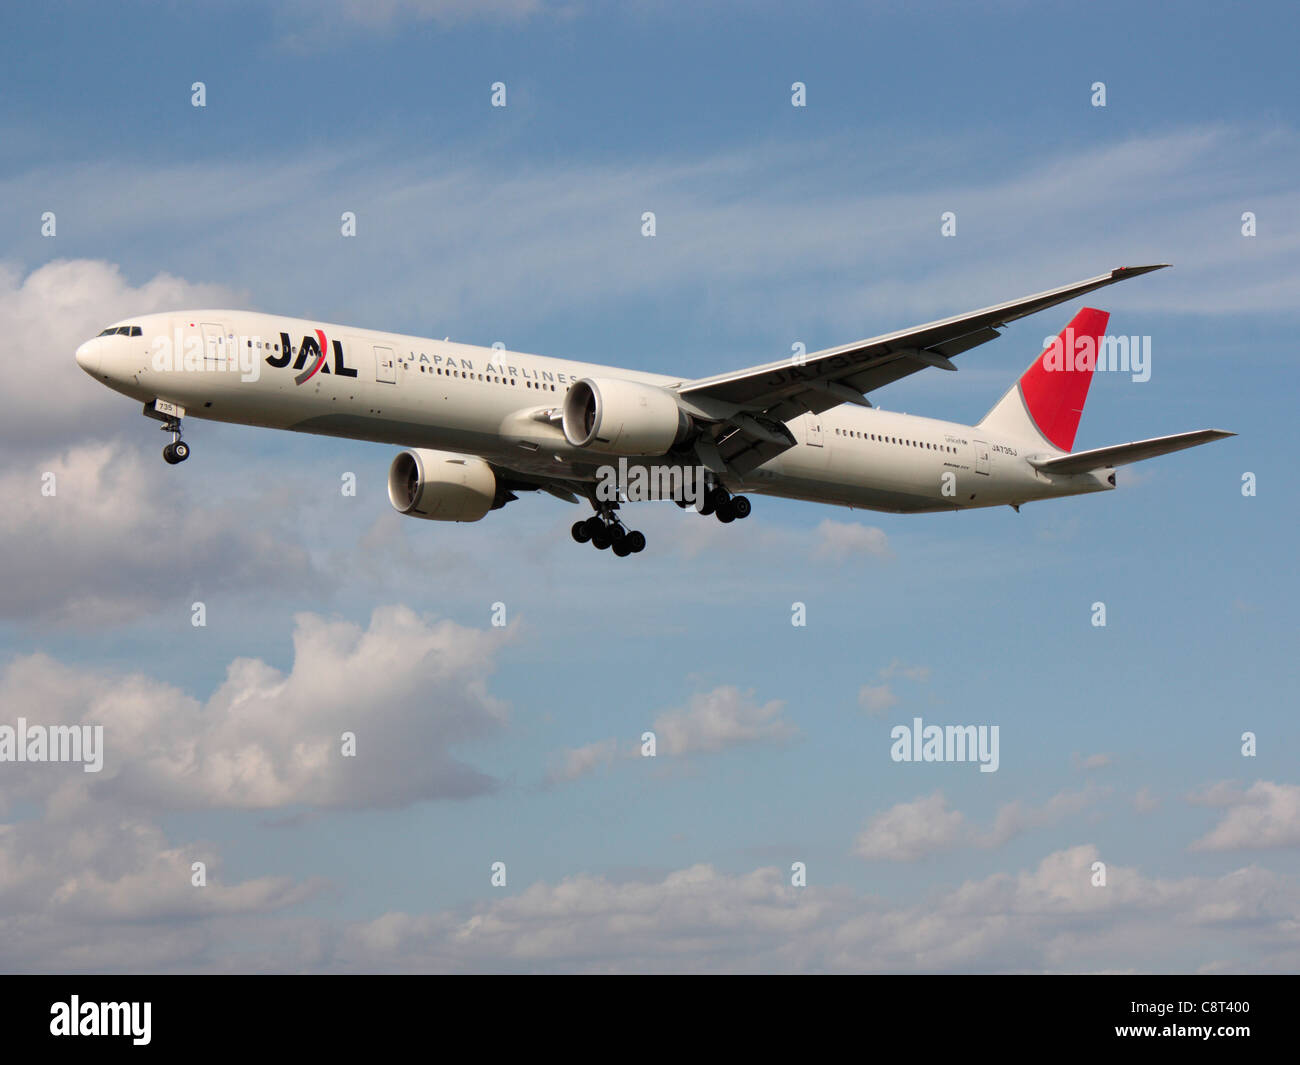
{"x": 911, "y": 830}
{"x": 119, "y": 536}
{"x": 1046, "y": 918}
{"x": 722, "y": 718}
{"x": 409, "y": 689}
{"x": 1265, "y": 815}
{"x": 579, "y": 761}
{"x": 875, "y": 699}
{"x": 839, "y": 541}
{"x": 1016, "y": 817}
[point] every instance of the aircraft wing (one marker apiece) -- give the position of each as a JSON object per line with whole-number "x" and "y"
{"x": 776, "y": 392}
{"x": 1122, "y": 454}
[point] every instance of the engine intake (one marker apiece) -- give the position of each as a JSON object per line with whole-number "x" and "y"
{"x": 623, "y": 417}
{"x": 441, "y": 485}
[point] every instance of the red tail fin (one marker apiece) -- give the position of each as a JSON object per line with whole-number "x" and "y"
{"x": 1048, "y": 399}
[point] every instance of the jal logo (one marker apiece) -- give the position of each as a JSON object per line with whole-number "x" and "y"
{"x": 311, "y": 358}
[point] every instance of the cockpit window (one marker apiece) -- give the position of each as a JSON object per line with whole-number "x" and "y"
{"x": 136, "y": 331}
{"x": 123, "y": 331}
{"x": 109, "y": 331}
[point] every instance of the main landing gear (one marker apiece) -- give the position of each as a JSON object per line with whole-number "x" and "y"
{"x": 603, "y": 530}
{"x": 721, "y": 504}
{"x": 177, "y": 450}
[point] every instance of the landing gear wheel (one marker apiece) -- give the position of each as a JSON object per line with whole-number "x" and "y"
{"x": 726, "y": 513}
{"x": 741, "y": 506}
{"x": 601, "y": 539}
{"x": 707, "y": 504}
{"x": 617, "y": 534}
{"x": 621, "y": 547}
{"x": 170, "y": 456}
{"x": 181, "y": 450}
{"x": 580, "y": 532}
{"x": 635, "y": 542}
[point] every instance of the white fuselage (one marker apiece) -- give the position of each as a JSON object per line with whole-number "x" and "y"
{"x": 409, "y": 391}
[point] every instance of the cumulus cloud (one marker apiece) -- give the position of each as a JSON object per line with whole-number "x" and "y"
{"x": 1049, "y": 917}
{"x": 408, "y": 689}
{"x": 1264, "y": 816}
{"x": 1016, "y": 817}
{"x": 579, "y": 761}
{"x": 838, "y": 541}
{"x": 875, "y": 699}
{"x": 909, "y": 831}
{"x": 97, "y": 535}
{"x": 719, "y": 719}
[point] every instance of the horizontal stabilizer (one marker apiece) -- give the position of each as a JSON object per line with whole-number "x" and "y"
{"x": 1122, "y": 454}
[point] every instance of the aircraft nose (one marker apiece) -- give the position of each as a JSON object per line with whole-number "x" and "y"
{"x": 88, "y": 356}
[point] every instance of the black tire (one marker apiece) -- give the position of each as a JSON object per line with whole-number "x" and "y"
{"x": 601, "y": 540}
{"x": 707, "y": 504}
{"x": 636, "y": 542}
{"x": 169, "y": 455}
{"x": 181, "y": 450}
{"x": 594, "y": 525}
{"x": 726, "y": 513}
{"x": 622, "y": 548}
{"x": 580, "y": 532}
{"x": 741, "y": 506}
{"x": 617, "y": 534}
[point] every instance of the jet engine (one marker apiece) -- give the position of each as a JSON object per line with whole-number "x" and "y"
{"x": 441, "y": 485}
{"x": 623, "y": 417}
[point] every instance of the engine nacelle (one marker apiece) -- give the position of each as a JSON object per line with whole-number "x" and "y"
{"x": 441, "y": 485}
{"x": 623, "y": 417}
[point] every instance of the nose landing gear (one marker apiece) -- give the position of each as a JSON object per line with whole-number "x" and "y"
{"x": 177, "y": 450}
{"x": 170, "y": 416}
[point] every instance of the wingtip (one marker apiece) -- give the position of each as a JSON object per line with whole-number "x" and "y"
{"x": 1133, "y": 271}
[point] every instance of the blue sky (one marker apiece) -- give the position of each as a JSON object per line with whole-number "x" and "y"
{"x": 775, "y": 225}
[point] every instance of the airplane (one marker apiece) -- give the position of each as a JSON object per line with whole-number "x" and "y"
{"x": 479, "y": 425}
